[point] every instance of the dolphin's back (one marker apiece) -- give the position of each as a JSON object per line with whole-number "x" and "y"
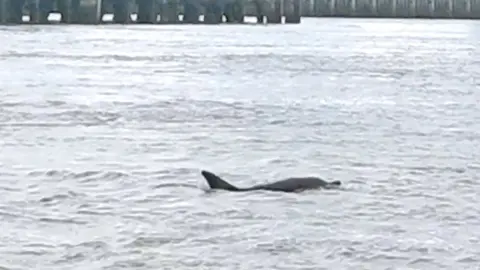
{"x": 295, "y": 183}
{"x": 287, "y": 185}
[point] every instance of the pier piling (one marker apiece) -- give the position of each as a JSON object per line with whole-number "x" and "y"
{"x": 293, "y": 11}
{"x": 191, "y": 11}
{"x": 442, "y": 9}
{"x": 122, "y": 11}
{"x": 213, "y": 13}
{"x": 39, "y": 11}
{"x": 385, "y": 8}
{"x": 87, "y": 11}
{"x": 461, "y": 8}
{"x": 66, "y": 9}
{"x": 260, "y": 10}
{"x": 322, "y": 8}
{"x": 4, "y": 5}
{"x": 365, "y": 8}
{"x": 229, "y": 12}
{"x": 11, "y": 11}
{"x": 275, "y": 13}
{"x": 424, "y": 9}
{"x": 169, "y": 11}
{"x": 239, "y": 11}
{"x": 147, "y": 11}
{"x": 475, "y": 9}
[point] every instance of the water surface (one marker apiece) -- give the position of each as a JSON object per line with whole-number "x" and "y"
{"x": 104, "y": 131}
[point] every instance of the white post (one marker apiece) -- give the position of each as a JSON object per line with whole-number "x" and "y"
{"x": 413, "y": 7}
{"x": 312, "y": 8}
{"x": 374, "y": 5}
{"x": 98, "y": 10}
{"x": 431, "y": 7}
{"x": 450, "y": 8}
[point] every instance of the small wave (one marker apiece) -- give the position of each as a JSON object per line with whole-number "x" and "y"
{"x": 95, "y": 245}
{"x": 280, "y": 246}
{"x": 363, "y": 165}
{"x": 58, "y": 197}
{"x": 436, "y": 169}
{"x": 49, "y": 124}
{"x": 9, "y": 188}
{"x": 93, "y": 249}
{"x": 94, "y": 213}
{"x": 62, "y": 118}
{"x": 169, "y": 185}
{"x": 63, "y": 221}
{"x": 413, "y": 169}
{"x": 470, "y": 259}
{"x": 153, "y": 241}
{"x": 420, "y": 261}
{"x": 33, "y": 252}
{"x": 5, "y": 214}
{"x": 39, "y": 245}
{"x": 128, "y": 264}
{"x": 84, "y": 176}
{"x": 102, "y": 57}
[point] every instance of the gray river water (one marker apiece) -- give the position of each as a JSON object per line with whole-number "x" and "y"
{"x": 104, "y": 131}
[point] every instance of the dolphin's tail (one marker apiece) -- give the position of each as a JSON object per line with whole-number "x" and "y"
{"x": 216, "y": 182}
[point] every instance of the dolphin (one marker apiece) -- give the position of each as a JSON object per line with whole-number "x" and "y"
{"x": 293, "y": 184}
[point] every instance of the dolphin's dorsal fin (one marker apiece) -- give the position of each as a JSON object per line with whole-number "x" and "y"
{"x": 216, "y": 182}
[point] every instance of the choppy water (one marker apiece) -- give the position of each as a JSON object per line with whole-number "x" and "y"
{"x": 103, "y": 132}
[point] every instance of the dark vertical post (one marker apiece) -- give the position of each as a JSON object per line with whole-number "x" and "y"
{"x": 169, "y": 11}
{"x": 3, "y": 11}
{"x": 260, "y": 10}
{"x": 66, "y": 9}
{"x": 39, "y": 10}
{"x": 121, "y": 11}
{"x": 213, "y": 13}
{"x": 275, "y": 13}
{"x": 173, "y": 11}
{"x": 147, "y": 11}
{"x": 163, "y": 11}
{"x": 11, "y": 11}
{"x": 191, "y": 12}
{"x": 239, "y": 11}
{"x": 86, "y": 11}
{"x": 229, "y": 11}
{"x": 293, "y": 12}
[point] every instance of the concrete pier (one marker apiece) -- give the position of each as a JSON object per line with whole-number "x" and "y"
{"x": 149, "y": 11}
{"x": 434, "y": 9}
{"x": 191, "y": 11}
{"x": 227, "y": 11}
{"x": 122, "y": 11}
{"x": 11, "y": 11}
{"x": 85, "y": 11}
{"x": 39, "y": 10}
{"x": 292, "y": 11}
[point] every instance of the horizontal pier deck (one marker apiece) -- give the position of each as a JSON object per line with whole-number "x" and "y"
{"x": 149, "y": 11}
{"x": 226, "y": 11}
{"x": 434, "y": 9}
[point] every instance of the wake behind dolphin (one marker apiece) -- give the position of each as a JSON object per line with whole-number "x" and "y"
{"x": 293, "y": 184}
